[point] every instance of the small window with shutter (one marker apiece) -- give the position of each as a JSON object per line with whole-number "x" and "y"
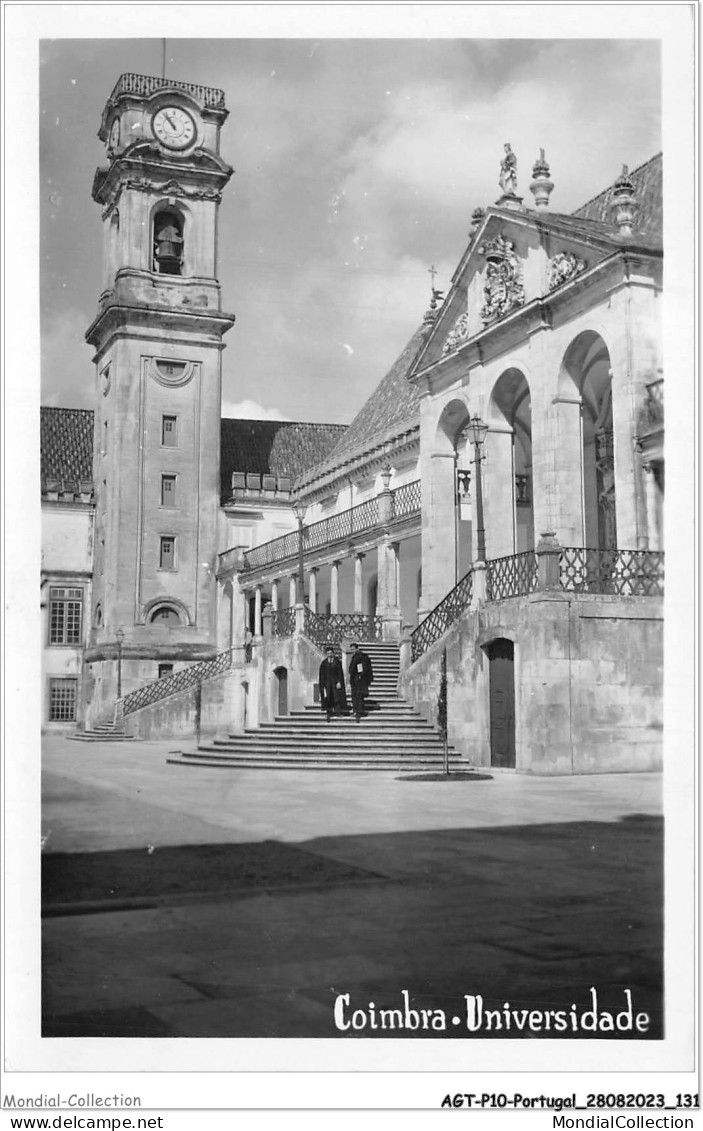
{"x": 168, "y": 490}
{"x": 167, "y": 555}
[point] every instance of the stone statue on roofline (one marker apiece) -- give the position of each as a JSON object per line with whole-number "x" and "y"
{"x": 508, "y": 172}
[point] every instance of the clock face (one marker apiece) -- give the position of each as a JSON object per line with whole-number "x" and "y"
{"x": 115, "y": 133}
{"x": 173, "y": 127}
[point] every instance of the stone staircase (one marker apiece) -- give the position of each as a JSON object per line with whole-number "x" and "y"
{"x": 393, "y": 735}
{"x": 101, "y": 732}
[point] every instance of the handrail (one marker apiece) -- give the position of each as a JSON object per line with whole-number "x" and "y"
{"x": 178, "y": 681}
{"x": 443, "y": 616}
{"x": 512, "y": 576}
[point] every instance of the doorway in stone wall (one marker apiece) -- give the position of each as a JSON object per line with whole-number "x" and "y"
{"x": 281, "y": 675}
{"x": 501, "y": 657}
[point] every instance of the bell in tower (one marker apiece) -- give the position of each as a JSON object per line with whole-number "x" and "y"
{"x": 168, "y": 244}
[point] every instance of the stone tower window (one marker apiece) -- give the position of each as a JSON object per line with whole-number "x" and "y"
{"x": 168, "y": 242}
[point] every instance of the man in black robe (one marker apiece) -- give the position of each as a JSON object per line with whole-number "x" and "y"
{"x": 333, "y": 695}
{"x": 360, "y": 676}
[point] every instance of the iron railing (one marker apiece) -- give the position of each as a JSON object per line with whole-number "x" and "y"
{"x": 627, "y": 573}
{"x": 277, "y": 550}
{"x": 328, "y": 628}
{"x": 512, "y": 576}
{"x": 442, "y": 617}
{"x": 405, "y": 501}
{"x": 179, "y": 681}
{"x": 283, "y": 622}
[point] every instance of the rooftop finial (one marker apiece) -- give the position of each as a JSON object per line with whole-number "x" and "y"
{"x": 624, "y": 204}
{"x": 541, "y": 185}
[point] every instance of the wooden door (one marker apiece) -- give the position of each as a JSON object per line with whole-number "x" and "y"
{"x": 282, "y": 677}
{"x": 502, "y": 700}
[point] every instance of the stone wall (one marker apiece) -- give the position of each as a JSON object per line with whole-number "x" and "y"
{"x": 588, "y": 672}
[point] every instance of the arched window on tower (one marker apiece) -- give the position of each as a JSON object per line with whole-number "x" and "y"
{"x": 168, "y": 242}
{"x": 165, "y": 615}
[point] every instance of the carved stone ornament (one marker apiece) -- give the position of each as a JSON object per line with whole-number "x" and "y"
{"x": 105, "y": 380}
{"x": 564, "y": 266}
{"x": 169, "y": 372}
{"x": 503, "y": 288}
{"x": 458, "y": 334}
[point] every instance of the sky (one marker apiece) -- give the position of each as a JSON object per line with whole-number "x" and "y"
{"x": 358, "y": 163}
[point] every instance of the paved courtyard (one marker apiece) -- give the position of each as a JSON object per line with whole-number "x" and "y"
{"x": 185, "y": 902}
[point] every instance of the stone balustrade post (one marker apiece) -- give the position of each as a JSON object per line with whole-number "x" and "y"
{"x": 478, "y": 584}
{"x": 274, "y": 593}
{"x": 267, "y": 622}
{"x": 406, "y": 647}
{"x": 385, "y": 499}
{"x": 547, "y": 553}
{"x": 299, "y": 618}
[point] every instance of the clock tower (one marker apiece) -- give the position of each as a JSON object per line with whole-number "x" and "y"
{"x": 158, "y": 340}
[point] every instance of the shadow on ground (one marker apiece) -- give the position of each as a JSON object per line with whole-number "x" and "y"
{"x": 258, "y": 940}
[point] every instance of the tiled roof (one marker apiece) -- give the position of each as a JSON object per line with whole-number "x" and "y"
{"x": 647, "y": 180}
{"x": 273, "y": 447}
{"x": 264, "y": 447}
{"x": 66, "y": 444}
{"x": 395, "y": 401}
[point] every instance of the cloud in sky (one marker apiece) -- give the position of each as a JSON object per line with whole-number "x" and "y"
{"x": 250, "y": 410}
{"x": 358, "y": 164}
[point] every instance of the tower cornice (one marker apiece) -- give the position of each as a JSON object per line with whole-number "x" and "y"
{"x": 156, "y": 322}
{"x": 143, "y": 167}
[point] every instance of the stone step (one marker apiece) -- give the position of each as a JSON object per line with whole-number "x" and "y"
{"x": 374, "y": 724}
{"x": 100, "y": 736}
{"x": 340, "y": 762}
{"x": 326, "y": 749}
{"x": 314, "y": 742}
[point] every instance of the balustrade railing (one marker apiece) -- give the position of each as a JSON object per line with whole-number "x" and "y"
{"x": 512, "y": 576}
{"x": 627, "y": 573}
{"x": 146, "y": 85}
{"x": 326, "y": 629}
{"x": 442, "y": 616}
{"x": 405, "y": 501}
{"x": 179, "y": 681}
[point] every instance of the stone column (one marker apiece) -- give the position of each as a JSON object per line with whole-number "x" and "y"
{"x": 292, "y": 590}
{"x": 274, "y": 593}
{"x": 438, "y": 530}
{"x": 334, "y": 587}
{"x": 312, "y": 585}
{"x": 653, "y": 505}
{"x": 257, "y": 610}
{"x": 498, "y": 483}
{"x": 224, "y": 614}
{"x": 568, "y": 517}
{"x": 382, "y": 575}
{"x": 359, "y": 583}
{"x": 388, "y": 569}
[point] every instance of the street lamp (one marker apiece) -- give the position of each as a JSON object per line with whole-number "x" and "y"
{"x": 119, "y": 636}
{"x": 477, "y": 434}
{"x": 299, "y": 510}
